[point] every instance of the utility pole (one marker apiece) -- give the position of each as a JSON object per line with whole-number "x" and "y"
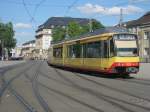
{"x": 67, "y": 35}
{"x": 121, "y": 17}
{"x": 90, "y": 25}
{"x": 149, "y": 44}
{"x": 1, "y": 48}
{"x": 2, "y": 45}
{"x": 2, "y": 51}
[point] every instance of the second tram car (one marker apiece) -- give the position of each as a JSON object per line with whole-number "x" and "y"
{"x": 108, "y": 50}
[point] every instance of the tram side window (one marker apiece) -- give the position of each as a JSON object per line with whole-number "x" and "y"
{"x": 57, "y": 52}
{"x": 89, "y": 50}
{"x": 102, "y": 49}
{"x": 93, "y": 50}
{"x": 106, "y": 49}
{"x": 74, "y": 51}
{"x": 84, "y": 50}
{"x": 71, "y": 52}
{"x": 111, "y": 48}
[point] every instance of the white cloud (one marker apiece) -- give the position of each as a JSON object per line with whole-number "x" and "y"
{"x": 22, "y": 25}
{"x": 97, "y": 9}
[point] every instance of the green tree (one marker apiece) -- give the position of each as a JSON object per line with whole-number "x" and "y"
{"x": 6, "y": 36}
{"x": 85, "y": 28}
{"x": 92, "y": 26}
{"x": 74, "y": 29}
{"x": 96, "y": 25}
{"x": 58, "y": 34}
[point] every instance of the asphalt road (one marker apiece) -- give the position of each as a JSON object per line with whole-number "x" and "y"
{"x": 36, "y": 87}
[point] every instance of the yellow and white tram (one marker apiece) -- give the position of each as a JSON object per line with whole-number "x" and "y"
{"x": 108, "y": 50}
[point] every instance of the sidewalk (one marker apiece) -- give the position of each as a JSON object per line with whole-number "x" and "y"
{"x": 144, "y": 71}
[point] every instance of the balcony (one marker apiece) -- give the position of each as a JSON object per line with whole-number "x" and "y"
{"x": 44, "y": 32}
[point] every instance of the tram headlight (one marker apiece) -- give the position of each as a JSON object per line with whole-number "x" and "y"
{"x": 132, "y": 69}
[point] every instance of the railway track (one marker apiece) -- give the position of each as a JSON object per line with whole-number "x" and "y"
{"x": 36, "y": 91}
{"x": 10, "y": 67}
{"x": 62, "y": 78}
{"x": 72, "y": 98}
{"x": 65, "y": 95}
{"x": 136, "y": 81}
{"x": 7, "y": 85}
{"x": 28, "y": 107}
{"x": 114, "y": 101}
{"x": 51, "y": 78}
{"x": 98, "y": 95}
{"x": 112, "y": 88}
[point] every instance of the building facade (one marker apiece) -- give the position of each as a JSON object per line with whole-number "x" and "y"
{"x": 141, "y": 27}
{"x": 43, "y": 39}
{"x": 16, "y": 52}
{"x": 28, "y": 49}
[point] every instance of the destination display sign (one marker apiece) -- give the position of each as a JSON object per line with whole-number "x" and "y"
{"x": 125, "y": 37}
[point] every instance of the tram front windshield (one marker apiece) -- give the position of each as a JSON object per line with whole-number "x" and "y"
{"x": 126, "y": 45}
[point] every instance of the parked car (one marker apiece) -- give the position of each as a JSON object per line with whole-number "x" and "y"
{"x": 17, "y": 58}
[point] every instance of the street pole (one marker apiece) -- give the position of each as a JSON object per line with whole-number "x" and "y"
{"x": 67, "y": 32}
{"x": 1, "y": 42}
{"x": 121, "y": 17}
{"x": 149, "y": 44}
{"x": 90, "y": 25}
{"x": 2, "y": 58}
{"x": 2, "y": 45}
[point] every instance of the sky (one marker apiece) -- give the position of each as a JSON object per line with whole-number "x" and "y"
{"x": 27, "y": 15}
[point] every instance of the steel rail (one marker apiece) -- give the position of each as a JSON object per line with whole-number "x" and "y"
{"x": 40, "y": 99}
{"x": 7, "y": 84}
{"x": 28, "y": 107}
{"x": 107, "y": 98}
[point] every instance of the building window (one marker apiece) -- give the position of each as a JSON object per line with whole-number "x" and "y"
{"x": 146, "y": 35}
{"x": 146, "y": 51}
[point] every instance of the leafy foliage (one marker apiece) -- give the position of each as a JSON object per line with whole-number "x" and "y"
{"x": 6, "y": 35}
{"x": 74, "y": 29}
{"x": 96, "y": 25}
{"x": 58, "y": 33}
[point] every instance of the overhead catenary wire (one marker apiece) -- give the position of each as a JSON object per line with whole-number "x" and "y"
{"x": 33, "y": 4}
{"x": 66, "y": 12}
{"x": 26, "y": 9}
{"x": 32, "y": 16}
{"x": 121, "y": 11}
{"x": 37, "y": 6}
{"x": 70, "y": 6}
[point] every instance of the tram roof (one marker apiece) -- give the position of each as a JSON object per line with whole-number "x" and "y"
{"x": 97, "y": 32}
